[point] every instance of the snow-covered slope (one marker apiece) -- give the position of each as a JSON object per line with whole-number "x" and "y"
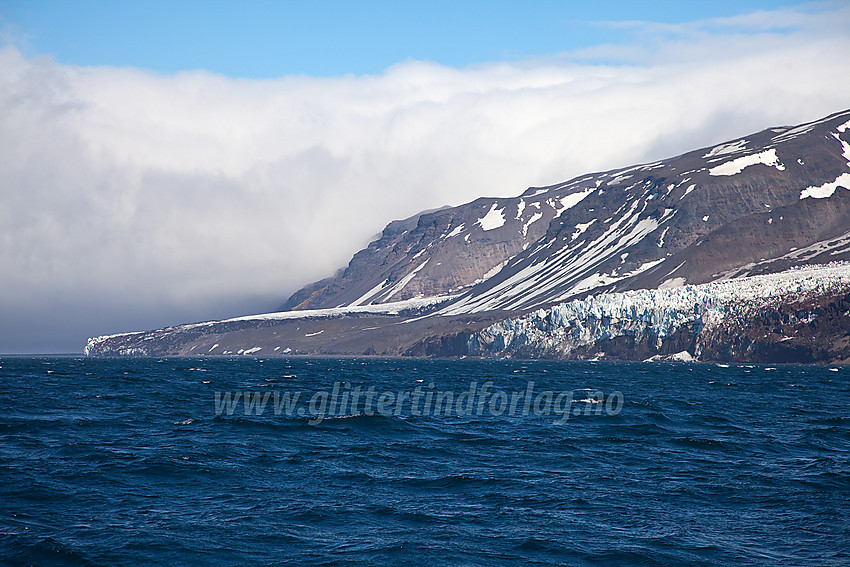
{"x": 746, "y": 206}
{"x": 441, "y": 252}
{"x": 409, "y": 307}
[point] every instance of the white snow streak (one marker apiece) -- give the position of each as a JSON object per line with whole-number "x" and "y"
{"x": 457, "y": 230}
{"x": 737, "y": 165}
{"x": 519, "y": 209}
{"x": 534, "y": 218}
{"x": 581, "y": 227}
{"x": 363, "y": 298}
{"x": 572, "y": 200}
{"x": 725, "y": 149}
{"x": 827, "y": 189}
{"x": 661, "y": 240}
{"x": 405, "y": 280}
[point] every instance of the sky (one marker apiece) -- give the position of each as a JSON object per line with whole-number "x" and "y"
{"x": 171, "y": 162}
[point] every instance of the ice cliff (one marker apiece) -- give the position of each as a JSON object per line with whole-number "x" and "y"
{"x": 652, "y": 317}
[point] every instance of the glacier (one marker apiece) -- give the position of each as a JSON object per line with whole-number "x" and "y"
{"x": 653, "y": 315}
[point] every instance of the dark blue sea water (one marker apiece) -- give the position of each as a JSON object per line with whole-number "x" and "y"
{"x": 155, "y": 462}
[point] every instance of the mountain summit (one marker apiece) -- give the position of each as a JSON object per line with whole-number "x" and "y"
{"x": 758, "y": 205}
{"x": 749, "y": 206}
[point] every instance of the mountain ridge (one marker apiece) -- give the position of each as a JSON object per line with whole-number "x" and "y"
{"x": 756, "y": 205}
{"x": 760, "y": 180}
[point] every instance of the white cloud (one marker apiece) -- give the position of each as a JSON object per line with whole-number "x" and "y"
{"x": 130, "y": 199}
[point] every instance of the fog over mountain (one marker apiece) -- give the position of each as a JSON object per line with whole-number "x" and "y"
{"x": 132, "y": 200}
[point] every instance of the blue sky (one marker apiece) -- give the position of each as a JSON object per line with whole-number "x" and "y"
{"x": 166, "y": 162}
{"x": 267, "y": 39}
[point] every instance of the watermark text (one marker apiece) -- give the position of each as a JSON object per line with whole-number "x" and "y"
{"x": 345, "y": 400}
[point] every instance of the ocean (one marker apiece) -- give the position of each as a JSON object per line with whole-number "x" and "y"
{"x": 251, "y": 461}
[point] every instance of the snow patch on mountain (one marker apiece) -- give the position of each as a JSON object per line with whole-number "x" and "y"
{"x": 572, "y": 200}
{"x": 661, "y": 240}
{"x": 845, "y": 148}
{"x": 599, "y": 280}
{"x": 793, "y": 132}
{"x": 534, "y": 218}
{"x": 457, "y": 230}
{"x": 832, "y": 245}
{"x": 581, "y": 227}
{"x": 671, "y": 283}
{"x": 368, "y": 295}
{"x": 405, "y": 280}
{"x": 737, "y": 165}
{"x": 570, "y": 271}
{"x": 827, "y": 189}
{"x": 726, "y": 149}
{"x": 492, "y": 272}
{"x": 494, "y": 218}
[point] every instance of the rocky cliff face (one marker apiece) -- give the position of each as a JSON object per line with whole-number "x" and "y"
{"x": 759, "y": 204}
{"x": 439, "y": 252}
{"x": 477, "y": 276}
{"x": 756, "y": 205}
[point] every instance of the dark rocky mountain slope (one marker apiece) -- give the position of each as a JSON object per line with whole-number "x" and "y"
{"x": 693, "y": 218}
{"x": 761, "y": 204}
